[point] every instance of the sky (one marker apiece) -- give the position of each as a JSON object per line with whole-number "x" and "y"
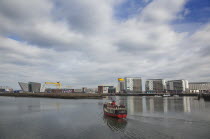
{"x": 94, "y": 42}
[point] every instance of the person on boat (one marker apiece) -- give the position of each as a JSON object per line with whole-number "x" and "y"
{"x": 113, "y": 103}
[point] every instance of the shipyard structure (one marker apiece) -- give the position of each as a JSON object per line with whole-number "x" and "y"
{"x": 35, "y": 87}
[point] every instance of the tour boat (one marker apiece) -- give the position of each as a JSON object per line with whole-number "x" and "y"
{"x": 114, "y": 110}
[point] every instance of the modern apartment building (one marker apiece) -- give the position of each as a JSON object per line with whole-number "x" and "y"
{"x": 133, "y": 84}
{"x": 106, "y": 89}
{"x": 121, "y": 85}
{"x": 199, "y": 87}
{"x": 177, "y": 86}
{"x": 155, "y": 86}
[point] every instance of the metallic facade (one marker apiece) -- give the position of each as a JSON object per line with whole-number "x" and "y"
{"x": 30, "y": 87}
{"x": 34, "y": 87}
{"x": 24, "y": 86}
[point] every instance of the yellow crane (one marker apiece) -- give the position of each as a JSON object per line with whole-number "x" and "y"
{"x": 57, "y": 84}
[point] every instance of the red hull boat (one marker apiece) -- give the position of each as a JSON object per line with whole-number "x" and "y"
{"x": 113, "y": 110}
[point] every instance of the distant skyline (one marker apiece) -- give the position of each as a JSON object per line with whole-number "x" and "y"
{"x": 94, "y": 42}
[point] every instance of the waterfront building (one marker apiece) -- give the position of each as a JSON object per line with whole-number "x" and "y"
{"x": 6, "y": 89}
{"x": 155, "y": 86}
{"x": 106, "y": 89}
{"x": 78, "y": 90}
{"x": 91, "y": 90}
{"x": 178, "y": 86}
{"x": 199, "y": 87}
{"x": 23, "y": 86}
{"x": 133, "y": 84}
{"x": 30, "y": 87}
{"x": 34, "y": 87}
{"x": 121, "y": 85}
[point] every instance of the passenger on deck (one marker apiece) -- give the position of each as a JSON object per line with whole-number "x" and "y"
{"x": 113, "y": 103}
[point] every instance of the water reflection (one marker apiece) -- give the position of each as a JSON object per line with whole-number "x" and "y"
{"x": 27, "y": 104}
{"x": 165, "y": 105}
{"x": 186, "y": 104}
{"x": 161, "y": 105}
{"x": 115, "y": 124}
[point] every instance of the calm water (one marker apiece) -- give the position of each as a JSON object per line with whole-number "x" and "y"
{"x": 148, "y": 117}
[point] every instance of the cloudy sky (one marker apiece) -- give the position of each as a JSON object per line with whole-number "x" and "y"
{"x": 92, "y": 42}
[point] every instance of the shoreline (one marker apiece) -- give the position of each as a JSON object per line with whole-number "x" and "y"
{"x": 148, "y": 94}
{"x": 55, "y": 95}
{"x": 82, "y": 95}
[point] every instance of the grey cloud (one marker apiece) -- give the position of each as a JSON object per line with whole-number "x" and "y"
{"x": 81, "y": 44}
{"x": 85, "y": 16}
{"x": 21, "y": 11}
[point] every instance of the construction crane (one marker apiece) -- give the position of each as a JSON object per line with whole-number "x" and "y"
{"x": 57, "y": 84}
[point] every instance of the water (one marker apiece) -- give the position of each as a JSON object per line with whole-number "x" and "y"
{"x": 148, "y": 118}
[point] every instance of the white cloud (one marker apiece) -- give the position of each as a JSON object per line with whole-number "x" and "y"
{"x": 81, "y": 43}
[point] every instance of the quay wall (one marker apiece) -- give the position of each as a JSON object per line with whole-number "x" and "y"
{"x": 55, "y": 95}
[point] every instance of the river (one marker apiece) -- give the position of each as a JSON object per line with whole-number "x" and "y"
{"x": 148, "y": 118}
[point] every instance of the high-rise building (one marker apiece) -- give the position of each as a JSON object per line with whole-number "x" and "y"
{"x": 121, "y": 85}
{"x": 133, "y": 84}
{"x": 155, "y": 86}
{"x": 178, "y": 86}
{"x": 199, "y": 87}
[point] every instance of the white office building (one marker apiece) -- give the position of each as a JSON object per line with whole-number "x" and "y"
{"x": 199, "y": 87}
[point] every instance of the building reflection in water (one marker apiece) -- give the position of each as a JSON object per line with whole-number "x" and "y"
{"x": 115, "y": 124}
{"x": 134, "y": 104}
{"x": 28, "y": 104}
{"x": 144, "y": 105}
{"x": 186, "y": 104}
{"x": 130, "y": 103}
{"x": 165, "y": 105}
{"x": 151, "y": 104}
{"x": 161, "y": 105}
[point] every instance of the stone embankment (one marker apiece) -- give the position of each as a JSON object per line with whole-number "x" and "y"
{"x": 55, "y": 95}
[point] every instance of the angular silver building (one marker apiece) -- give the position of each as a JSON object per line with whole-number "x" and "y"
{"x": 34, "y": 87}
{"x": 30, "y": 87}
{"x": 24, "y": 86}
{"x": 155, "y": 86}
{"x": 133, "y": 84}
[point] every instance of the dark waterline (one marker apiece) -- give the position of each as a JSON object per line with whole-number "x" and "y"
{"x": 148, "y": 117}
